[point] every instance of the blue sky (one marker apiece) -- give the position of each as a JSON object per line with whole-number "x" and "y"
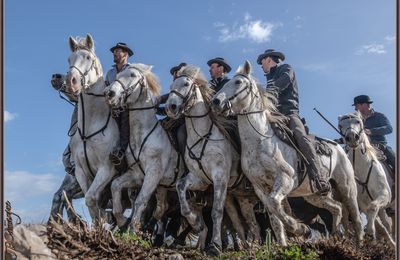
{"x": 339, "y": 49}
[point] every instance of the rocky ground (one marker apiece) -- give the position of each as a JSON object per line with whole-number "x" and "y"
{"x": 67, "y": 240}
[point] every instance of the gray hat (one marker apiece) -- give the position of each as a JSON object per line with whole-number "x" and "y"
{"x": 361, "y": 99}
{"x": 221, "y": 62}
{"x": 270, "y": 53}
{"x": 123, "y": 46}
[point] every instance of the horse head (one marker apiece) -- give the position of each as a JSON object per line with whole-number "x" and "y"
{"x": 130, "y": 84}
{"x": 182, "y": 94}
{"x": 234, "y": 97}
{"x": 351, "y": 127}
{"x": 84, "y": 66}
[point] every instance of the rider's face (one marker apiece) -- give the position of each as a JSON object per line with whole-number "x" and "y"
{"x": 120, "y": 56}
{"x": 216, "y": 70}
{"x": 266, "y": 64}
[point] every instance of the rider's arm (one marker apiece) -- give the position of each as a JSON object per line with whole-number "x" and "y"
{"x": 383, "y": 125}
{"x": 283, "y": 81}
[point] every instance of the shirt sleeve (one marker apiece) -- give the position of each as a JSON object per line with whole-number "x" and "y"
{"x": 285, "y": 78}
{"x": 383, "y": 126}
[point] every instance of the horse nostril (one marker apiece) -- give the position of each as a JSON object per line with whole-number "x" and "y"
{"x": 356, "y": 136}
{"x": 111, "y": 93}
{"x": 73, "y": 80}
{"x": 347, "y": 138}
{"x": 216, "y": 102}
{"x": 173, "y": 106}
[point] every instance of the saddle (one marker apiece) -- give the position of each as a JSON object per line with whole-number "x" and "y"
{"x": 283, "y": 132}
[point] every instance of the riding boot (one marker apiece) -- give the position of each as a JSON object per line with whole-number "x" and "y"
{"x": 117, "y": 156}
{"x": 181, "y": 137}
{"x": 308, "y": 150}
{"x": 390, "y": 160}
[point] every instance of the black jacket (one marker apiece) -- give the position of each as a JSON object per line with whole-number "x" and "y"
{"x": 282, "y": 79}
{"x": 217, "y": 84}
{"x": 379, "y": 126}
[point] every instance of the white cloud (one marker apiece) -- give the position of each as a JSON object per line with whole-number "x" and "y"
{"x": 9, "y": 116}
{"x": 23, "y": 185}
{"x": 255, "y": 30}
{"x": 390, "y": 39}
{"x": 371, "y": 48}
{"x": 297, "y": 18}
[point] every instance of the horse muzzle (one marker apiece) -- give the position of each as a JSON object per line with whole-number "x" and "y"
{"x": 221, "y": 107}
{"x": 173, "y": 110}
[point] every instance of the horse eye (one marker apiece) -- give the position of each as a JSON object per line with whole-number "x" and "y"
{"x": 186, "y": 84}
{"x": 238, "y": 81}
{"x": 132, "y": 75}
{"x": 87, "y": 57}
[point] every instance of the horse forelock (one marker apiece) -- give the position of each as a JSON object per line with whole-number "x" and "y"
{"x": 152, "y": 80}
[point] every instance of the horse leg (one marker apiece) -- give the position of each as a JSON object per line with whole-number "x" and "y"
{"x": 234, "y": 217}
{"x": 386, "y": 222}
{"x": 349, "y": 200}
{"x": 383, "y": 232}
{"x": 84, "y": 183}
{"x": 57, "y": 203}
{"x": 247, "y": 209}
{"x": 276, "y": 223}
{"x": 127, "y": 180}
{"x": 92, "y": 198}
{"x": 220, "y": 190}
{"x": 331, "y": 205}
{"x": 194, "y": 218}
{"x": 161, "y": 208}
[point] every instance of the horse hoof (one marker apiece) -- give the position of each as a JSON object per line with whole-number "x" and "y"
{"x": 213, "y": 249}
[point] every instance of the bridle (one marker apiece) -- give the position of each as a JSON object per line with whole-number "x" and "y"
{"x": 190, "y": 96}
{"x": 83, "y": 75}
{"x": 249, "y": 90}
{"x": 344, "y": 133}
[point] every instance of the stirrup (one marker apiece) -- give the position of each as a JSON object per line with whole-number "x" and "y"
{"x": 116, "y": 156}
{"x": 323, "y": 187}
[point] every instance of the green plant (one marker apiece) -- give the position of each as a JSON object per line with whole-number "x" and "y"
{"x": 293, "y": 252}
{"x": 131, "y": 237}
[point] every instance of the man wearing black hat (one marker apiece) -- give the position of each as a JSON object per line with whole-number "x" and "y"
{"x": 219, "y": 67}
{"x": 281, "y": 81}
{"x": 376, "y": 126}
{"x": 121, "y": 53}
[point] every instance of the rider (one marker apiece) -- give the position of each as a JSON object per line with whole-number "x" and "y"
{"x": 219, "y": 67}
{"x": 121, "y": 53}
{"x": 282, "y": 80}
{"x": 376, "y": 126}
{"x": 58, "y": 82}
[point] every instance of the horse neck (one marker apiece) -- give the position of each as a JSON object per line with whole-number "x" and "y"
{"x": 250, "y": 124}
{"x": 141, "y": 122}
{"x": 92, "y": 110}
{"x": 359, "y": 159}
{"x": 198, "y": 126}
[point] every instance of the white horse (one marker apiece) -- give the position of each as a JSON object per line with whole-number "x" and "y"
{"x": 152, "y": 160}
{"x": 374, "y": 193}
{"x": 271, "y": 165}
{"x": 97, "y": 133}
{"x": 209, "y": 156}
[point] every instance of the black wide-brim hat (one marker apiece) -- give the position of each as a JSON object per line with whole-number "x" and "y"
{"x": 270, "y": 53}
{"x": 176, "y": 68}
{"x": 220, "y": 61}
{"x": 361, "y": 99}
{"x": 123, "y": 46}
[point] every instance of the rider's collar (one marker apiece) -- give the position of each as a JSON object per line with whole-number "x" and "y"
{"x": 218, "y": 80}
{"x": 123, "y": 67}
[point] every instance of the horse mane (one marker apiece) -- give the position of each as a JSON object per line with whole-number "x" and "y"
{"x": 82, "y": 46}
{"x": 151, "y": 79}
{"x": 269, "y": 100}
{"x": 371, "y": 151}
{"x": 207, "y": 93}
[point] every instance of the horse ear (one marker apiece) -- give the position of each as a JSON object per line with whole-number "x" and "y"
{"x": 73, "y": 45}
{"x": 247, "y": 67}
{"x": 89, "y": 42}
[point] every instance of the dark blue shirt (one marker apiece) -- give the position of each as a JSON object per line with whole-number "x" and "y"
{"x": 379, "y": 126}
